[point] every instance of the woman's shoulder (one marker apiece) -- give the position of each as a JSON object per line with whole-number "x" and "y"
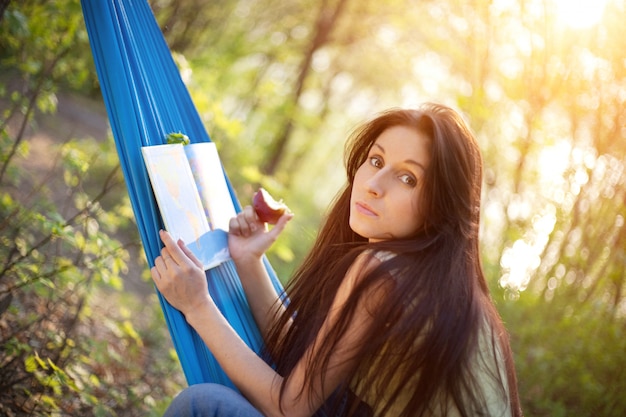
{"x": 366, "y": 262}
{"x": 383, "y": 255}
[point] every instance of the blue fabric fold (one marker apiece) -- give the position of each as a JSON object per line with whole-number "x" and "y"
{"x": 146, "y": 99}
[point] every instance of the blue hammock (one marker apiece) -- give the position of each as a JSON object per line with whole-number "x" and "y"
{"x": 146, "y": 99}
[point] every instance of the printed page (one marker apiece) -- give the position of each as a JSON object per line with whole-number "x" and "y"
{"x": 212, "y": 187}
{"x": 175, "y": 191}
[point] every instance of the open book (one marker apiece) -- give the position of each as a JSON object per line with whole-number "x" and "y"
{"x": 193, "y": 197}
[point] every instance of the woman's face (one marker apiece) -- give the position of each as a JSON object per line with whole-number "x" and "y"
{"x": 385, "y": 201}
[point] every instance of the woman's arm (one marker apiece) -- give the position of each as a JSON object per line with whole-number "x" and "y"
{"x": 248, "y": 240}
{"x": 183, "y": 284}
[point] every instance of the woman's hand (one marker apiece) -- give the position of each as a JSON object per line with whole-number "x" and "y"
{"x": 179, "y": 276}
{"x": 249, "y": 237}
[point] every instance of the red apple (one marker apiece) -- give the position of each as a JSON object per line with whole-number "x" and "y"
{"x": 268, "y": 209}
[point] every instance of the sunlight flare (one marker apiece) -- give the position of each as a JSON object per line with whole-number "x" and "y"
{"x": 579, "y": 14}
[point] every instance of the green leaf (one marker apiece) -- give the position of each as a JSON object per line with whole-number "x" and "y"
{"x": 41, "y": 362}
{"x": 49, "y": 401}
{"x": 174, "y": 138}
{"x": 30, "y": 364}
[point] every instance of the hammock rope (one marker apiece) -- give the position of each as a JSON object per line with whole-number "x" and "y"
{"x": 146, "y": 99}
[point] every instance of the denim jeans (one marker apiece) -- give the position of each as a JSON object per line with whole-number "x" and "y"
{"x": 210, "y": 400}
{"x": 214, "y": 400}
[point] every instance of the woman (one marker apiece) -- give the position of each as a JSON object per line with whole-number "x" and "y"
{"x": 389, "y": 315}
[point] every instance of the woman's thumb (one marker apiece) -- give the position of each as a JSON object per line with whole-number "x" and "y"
{"x": 280, "y": 224}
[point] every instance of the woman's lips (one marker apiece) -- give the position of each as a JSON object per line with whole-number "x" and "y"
{"x": 365, "y": 209}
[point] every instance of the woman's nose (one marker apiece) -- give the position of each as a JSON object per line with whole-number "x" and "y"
{"x": 375, "y": 184}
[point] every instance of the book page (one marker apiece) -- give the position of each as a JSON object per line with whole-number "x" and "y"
{"x": 212, "y": 187}
{"x": 175, "y": 191}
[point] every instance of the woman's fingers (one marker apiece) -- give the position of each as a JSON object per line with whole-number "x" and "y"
{"x": 172, "y": 251}
{"x": 250, "y": 215}
{"x": 178, "y": 275}
{"x": 165, "y": 254}
{"x": 154, "y": 271}
{"x": 245, "y": 223}
{"x": 189, "y": 253}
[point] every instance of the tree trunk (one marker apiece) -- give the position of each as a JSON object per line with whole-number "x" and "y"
{"x": 326, "y": 20}
{"x": 4, "y": 4}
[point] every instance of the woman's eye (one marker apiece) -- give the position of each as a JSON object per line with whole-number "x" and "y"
{"x": 408, "y": 180}
{"x": 376, "y": 162}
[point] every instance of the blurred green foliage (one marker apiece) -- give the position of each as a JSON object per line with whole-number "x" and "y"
{"x": 286, "y": 82}
{"x": 68, "y": 345}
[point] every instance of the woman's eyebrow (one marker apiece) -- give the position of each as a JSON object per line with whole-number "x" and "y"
{"x": 413, "y": 162}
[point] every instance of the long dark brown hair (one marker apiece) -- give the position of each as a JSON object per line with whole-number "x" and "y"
{"x": 425, "y": 335}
